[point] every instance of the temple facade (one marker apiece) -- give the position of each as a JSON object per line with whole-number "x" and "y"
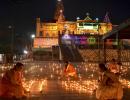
{"x": 85, "y": 26}
{"x": 52, "y": 29}
{"x": 61, "y": 26}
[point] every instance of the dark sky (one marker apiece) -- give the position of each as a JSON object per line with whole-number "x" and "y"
{"x": 22, "y": 13}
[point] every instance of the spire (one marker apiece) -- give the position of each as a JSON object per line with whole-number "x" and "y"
{"x": 59, "y": 7}
{"x": 61, "y": 17}
{"x": 88, "y": 17}
{"x": 106, "y": 19}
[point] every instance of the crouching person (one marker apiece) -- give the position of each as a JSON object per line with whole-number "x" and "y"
{"x": 70, "y": 70}
{"x": 11, "y": 83}
{"x": 109, "y": 86}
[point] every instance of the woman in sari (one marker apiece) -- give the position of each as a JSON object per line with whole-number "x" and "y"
{"x": 11, "y": 83}
{"x": 69, "y": 70}
{"x": 109, "y": 86}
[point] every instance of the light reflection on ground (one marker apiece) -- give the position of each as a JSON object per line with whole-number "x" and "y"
{"x": 47, "y": 78}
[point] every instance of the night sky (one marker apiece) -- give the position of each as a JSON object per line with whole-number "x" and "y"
{"x": 22, "y": 13}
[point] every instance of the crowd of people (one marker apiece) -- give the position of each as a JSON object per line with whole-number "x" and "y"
{"x": 109, "y": 87}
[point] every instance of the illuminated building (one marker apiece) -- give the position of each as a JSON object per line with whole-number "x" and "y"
{"x": 50, "y": 30}
{"x": 87, "y": 26}
{"x": 93, "y": 26}
{"x": 59, "y": 7}
{"x": 106, "y": 26}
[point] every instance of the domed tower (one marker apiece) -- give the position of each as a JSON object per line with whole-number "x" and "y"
{"x": 59, "y": 8}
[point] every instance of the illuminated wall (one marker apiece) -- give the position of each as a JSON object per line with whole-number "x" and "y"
{"x": 49, "y": 30}
{"x": 87, "y": 27}
{"x": 105, "y": 27}
{"x": 78, "y": 39}
{"x": 45, "y": 42}
{"x": 93, "y": 27}
{"x": 67, "y": 26}
{"x": 53, "y": 29}
{"x": 78, "y": 27}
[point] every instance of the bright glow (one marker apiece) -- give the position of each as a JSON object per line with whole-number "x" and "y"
{"x": 35, "y": 86}
{"x": 25, "y": 52}
{"x": 97, "y": 19}
{"x": 88, "y": 27}
{"x": 66, "y": 37}
{"x": 78, "y": 18}
{"x": 33, "y": 36}
{"x": 1, "y": 57}
{"x": 61, "y": 11}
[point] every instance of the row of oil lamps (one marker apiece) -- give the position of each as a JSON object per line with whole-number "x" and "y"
{"x": 88, "y": 86}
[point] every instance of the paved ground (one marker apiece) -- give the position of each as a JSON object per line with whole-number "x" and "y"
{"x": 52, "y": 73}
{"x": 56, "y": 93}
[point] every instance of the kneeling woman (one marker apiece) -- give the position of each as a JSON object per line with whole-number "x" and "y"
{"x": 11, "y": 83}
{"x": 109, "y": 86}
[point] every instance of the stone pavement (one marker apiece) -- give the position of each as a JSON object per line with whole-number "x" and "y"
{"x": 55, "y": 92}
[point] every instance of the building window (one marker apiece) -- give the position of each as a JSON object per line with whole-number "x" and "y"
{"x": 47, "y": 34}
{"x": 73, "y": 32}
{"x": 87, "y": 24}
{"x": 58, "y": 32}
{"x": 80, "y": 24}
{"x": 40, "y": 34}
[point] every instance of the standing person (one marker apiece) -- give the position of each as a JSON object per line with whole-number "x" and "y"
{"x": 109, "y": 86}
{"x": 113, "y": 66}
{"x": 11, "y": 83}
{"x": 70, "y": 70}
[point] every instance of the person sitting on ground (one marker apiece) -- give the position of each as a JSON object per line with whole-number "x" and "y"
{"x": 113, "y": 66}
{"x": 70, "y": 70}
{"x": 109, "y": 87}
{"x": 11, "y": 83}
